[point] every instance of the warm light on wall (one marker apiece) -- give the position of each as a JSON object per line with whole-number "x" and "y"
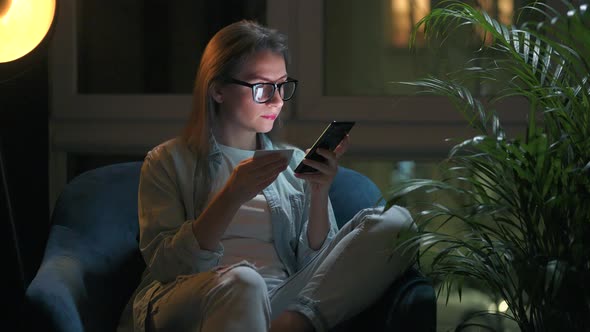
{"x": 404, "y": 16}
{"x": 23, "y": 25}
{"x": 406, "y": 13}
{"x": 503, "y": 10}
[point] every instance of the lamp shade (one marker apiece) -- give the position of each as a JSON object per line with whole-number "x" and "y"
{"x": 23, "y": 25}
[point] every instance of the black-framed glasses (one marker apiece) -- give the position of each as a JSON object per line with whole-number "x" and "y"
{"x": 263, "y": 92}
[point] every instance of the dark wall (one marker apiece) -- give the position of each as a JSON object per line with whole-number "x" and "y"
{"x": 24, "y": 111}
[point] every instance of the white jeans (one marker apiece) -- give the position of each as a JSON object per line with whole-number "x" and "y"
{"x": 344, "y": 278}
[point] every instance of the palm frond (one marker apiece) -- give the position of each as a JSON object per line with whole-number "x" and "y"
{"x": 520, "y": 209}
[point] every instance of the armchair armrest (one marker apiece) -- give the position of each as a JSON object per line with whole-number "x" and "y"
{"x": 78, "y": 287}
{"x": 409, "y": 304}
{"x": 56, "y": 294}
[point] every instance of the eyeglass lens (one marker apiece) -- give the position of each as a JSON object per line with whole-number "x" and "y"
{"x": 264, "y": 92}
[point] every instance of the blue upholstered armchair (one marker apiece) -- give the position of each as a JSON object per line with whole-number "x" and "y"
{"x": 92, "y": 262}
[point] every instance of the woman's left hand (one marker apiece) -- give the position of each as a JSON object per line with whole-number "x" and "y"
{"x": 321, "y": 180}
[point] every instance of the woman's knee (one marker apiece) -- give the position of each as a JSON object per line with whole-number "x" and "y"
{"x": 397, "y": 225}
{"x": 387, "y": 229}
{"x": 246, "y": 279}
{"x": 389, "y": 222}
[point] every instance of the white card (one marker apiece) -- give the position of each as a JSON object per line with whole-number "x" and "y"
{"x": 287, "y": 153}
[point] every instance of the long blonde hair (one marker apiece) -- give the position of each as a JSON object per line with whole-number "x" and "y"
{"x": 222, "y": 58}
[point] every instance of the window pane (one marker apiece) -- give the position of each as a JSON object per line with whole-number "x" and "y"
{"x": 149, "y": 46}
{"x": 366, "y": 45}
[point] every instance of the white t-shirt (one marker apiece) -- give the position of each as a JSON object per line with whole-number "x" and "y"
{"x": 249, "y": 235}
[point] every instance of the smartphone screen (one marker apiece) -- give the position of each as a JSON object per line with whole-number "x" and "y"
{"x": 329, "y": 140}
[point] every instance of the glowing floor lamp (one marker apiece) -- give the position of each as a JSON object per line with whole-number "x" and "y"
{"x": 24, "y": 25}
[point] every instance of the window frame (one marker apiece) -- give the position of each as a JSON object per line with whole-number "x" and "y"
{"x": 307, "y": 29}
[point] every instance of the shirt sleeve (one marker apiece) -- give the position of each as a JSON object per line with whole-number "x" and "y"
{"x": 166, "y": 241}
{"x": 304, "y": 252}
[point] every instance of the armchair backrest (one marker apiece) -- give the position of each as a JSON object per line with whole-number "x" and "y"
{"x": 351, "y": 192}
{"x": 92, "y": 262}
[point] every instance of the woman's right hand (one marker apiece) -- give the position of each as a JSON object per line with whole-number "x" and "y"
{"x": 252, "y": 175}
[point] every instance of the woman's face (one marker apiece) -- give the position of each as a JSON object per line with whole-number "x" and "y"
{"x": 239, "y": 115}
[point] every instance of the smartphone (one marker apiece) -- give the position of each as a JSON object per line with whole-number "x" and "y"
{"x": 329, "y": 140}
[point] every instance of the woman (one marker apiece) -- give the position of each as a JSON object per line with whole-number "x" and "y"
{"x": 236, "y": 243}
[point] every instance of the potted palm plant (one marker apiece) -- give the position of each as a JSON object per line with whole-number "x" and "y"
{"x": 521, "y": 210}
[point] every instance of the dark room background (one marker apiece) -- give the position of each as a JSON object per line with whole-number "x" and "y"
{"x": 117, "y": 79}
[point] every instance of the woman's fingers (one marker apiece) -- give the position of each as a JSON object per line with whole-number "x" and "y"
{"x": 272, "y": 171}
{"x": 330, "y": 156}
{"x": 263, "y": 167}
{"x": 319, "y": 178}
{"x": 255, "y": 174}
{"x": 322, "y": 167}
{"x": 269, "y": 176}
{"x": 326, "y": 169}
{"x": 267, "y": 182}
{"x": 342, "y": 147}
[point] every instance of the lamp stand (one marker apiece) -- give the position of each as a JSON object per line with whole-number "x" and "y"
{"x": 8, "y": 204}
